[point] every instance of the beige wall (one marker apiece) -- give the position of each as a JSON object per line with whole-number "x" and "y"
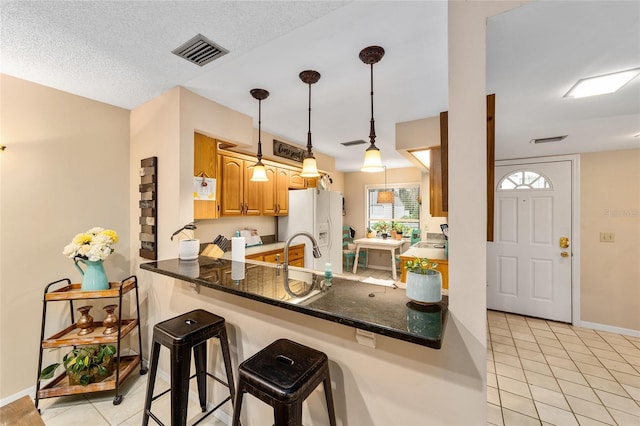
{"x": 65, "y": 170}
{"x": 610, "y": 272}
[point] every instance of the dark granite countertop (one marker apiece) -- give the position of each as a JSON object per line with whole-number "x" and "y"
{"x": 379, "y": 309}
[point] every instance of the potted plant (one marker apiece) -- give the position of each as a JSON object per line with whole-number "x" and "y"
{"x": 424, "y": 282}
{"x": 369, "y": 232}
{"x": 399, "y": 227}
{"x": 85, "y": 364}
{"x": 382, "y": 228}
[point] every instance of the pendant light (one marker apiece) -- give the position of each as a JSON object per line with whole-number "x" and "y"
{"x": 385, "y": 197}
{"x": 309, "y": 166}
{"x": 259, "y": 172}
{"x": 372, "y": 159}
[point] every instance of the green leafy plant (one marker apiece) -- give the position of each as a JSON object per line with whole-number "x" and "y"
{"x": 85, "y": 364}
{"x": 421, "y": 265}
{"x": 401, "y": 228}
{"x": 382, "y": 227}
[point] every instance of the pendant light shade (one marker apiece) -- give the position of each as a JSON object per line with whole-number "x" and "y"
{"x": 372, "y": 158}
{"x": 385, "y": 197}
{"x": 309, "y": 166}
{"x": 259, "y": 171}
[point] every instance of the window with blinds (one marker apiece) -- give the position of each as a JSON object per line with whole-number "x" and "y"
{"x": 404, "y": 209}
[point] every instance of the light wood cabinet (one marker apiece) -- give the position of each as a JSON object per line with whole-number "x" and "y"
{"x": 296, "y": 256}
{"x": 205, "y": 161}
{"x": 275, "y": 192}
{"x": 436, "y": 208}
{"x": 240, "y": 196}
{"x": 296, "y": 181}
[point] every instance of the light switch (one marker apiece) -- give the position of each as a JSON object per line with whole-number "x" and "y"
{"x": 607, "y": 237}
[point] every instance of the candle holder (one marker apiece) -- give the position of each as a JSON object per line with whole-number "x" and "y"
{"x": 110, "y": 322}
{"x": 85, "y": 322}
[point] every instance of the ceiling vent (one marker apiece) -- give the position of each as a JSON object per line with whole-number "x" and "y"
{"x": 545, "y": 140}
{"x": 200, "y": 50}
{"x": 352, "y": 143}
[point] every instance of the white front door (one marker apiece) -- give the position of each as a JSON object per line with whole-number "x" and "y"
{"x": 529, "y": 262}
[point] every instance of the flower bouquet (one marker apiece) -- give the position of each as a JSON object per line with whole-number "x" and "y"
{"x": 91, "y": 248}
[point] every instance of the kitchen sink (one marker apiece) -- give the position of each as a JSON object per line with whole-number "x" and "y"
{"x": 429, "y": 244}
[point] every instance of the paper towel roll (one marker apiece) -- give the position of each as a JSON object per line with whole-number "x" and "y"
{"x": 237, "y": 249}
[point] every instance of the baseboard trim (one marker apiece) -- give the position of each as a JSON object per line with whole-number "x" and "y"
{"x": 31, "y": 392}
{"x": 608, "y": 328}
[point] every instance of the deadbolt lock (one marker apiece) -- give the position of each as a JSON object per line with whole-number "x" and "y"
{"x": 564, "y": 242}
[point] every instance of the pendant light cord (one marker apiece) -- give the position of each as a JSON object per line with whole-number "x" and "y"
{"x": 309, "y": 154}
{"x": 259, "y": 130}
{"x": 372, "y": 130}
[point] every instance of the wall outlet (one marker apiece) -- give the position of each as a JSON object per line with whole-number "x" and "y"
{"x": 607, "y": 237}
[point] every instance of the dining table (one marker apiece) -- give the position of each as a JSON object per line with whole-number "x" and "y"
{"x": 390, "y": 244}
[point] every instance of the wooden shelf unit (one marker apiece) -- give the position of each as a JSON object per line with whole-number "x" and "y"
{"x": 64, "y": 290}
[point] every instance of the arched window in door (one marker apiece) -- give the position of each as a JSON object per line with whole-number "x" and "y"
{"x": 524, "y": 179}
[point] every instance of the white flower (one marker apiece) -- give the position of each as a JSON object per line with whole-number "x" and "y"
{"x": 94, "y": 245}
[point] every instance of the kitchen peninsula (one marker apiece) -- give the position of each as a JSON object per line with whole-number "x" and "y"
{"x": 381, "y": 350}
{"x": 378, "y": 309}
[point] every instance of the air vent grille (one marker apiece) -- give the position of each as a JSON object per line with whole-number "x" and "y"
{"x": 352, "y": 143}
{"x": 200, "y": 50}
{"x": 546, "y": 140}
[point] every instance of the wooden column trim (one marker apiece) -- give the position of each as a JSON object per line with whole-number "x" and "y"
{"x": 444, "y": 158}
{"x": 491, "y": 160}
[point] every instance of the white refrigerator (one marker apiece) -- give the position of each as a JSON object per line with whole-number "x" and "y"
{"x": 319, "y": 213}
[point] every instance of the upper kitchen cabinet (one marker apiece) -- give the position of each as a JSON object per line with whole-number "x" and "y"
{"x": 436, "y": 206}
{"x": 275, "y": 192}
{"x": 296, "y": 181}
{"x": 205, "y": 164}
{"x": 239, "y": 195}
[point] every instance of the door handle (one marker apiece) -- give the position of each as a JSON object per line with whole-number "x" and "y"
{"x": 564, "y": 242}
{"x": 564, "y": 254}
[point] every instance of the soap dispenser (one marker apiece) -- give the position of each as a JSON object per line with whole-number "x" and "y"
{"x": 328, "y": 274}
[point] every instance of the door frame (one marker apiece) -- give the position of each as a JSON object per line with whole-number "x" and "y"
{"x": 574, "y": 159}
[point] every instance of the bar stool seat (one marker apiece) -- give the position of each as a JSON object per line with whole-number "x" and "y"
{"x": 181, "y": 335}
{"x": 283, "y": 375}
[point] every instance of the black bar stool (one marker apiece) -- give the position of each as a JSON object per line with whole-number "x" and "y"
{"x": 283, "y": 375}
{"x": 181, "y": 334}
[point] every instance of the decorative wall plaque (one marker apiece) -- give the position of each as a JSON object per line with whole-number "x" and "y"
{"x": 148, "y": 204}
{"x": 290, "y": 152}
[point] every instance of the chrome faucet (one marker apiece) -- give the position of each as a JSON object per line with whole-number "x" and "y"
{"x": 316, "y": 250}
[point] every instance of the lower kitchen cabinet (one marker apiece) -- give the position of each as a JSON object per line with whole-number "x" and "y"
{"x": 296, "y": 256}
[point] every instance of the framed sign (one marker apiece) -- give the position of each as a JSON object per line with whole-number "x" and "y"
{"x": 290, "y": 152}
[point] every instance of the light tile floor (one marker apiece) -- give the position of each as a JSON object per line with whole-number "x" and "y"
{"x": 97, "y": 409}
{"x": 548, "y": 373}
{"x": 538, "y": 373}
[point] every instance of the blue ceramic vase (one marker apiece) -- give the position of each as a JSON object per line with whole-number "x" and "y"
{"x": 93, "y": 277}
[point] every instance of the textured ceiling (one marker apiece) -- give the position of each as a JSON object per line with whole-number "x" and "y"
{"x": 119, "y": 52}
